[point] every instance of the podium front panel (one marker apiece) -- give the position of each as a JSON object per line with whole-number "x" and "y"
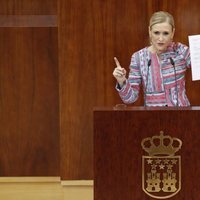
{"x": 118, "y": 153}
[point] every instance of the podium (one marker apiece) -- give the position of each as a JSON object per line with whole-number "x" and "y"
{"x": 119, "y": 157}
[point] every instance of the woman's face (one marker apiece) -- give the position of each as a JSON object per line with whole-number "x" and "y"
{"x": 161, "y": 36}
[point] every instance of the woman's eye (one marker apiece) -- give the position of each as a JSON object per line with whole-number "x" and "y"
{"x": 156, "y": 32}
{"x": 166, "y": 33}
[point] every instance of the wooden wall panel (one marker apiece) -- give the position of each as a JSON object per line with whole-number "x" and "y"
{"x": 29, "y": 140}
{"x": 29, "y": 89}
{"x": 91, "y": 33}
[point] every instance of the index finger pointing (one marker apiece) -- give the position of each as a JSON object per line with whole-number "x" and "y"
{"x": 117, "y": 62}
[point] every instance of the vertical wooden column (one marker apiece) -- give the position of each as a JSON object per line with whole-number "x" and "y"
{"x": 91, "y": 33}
{"x": 29, "y": 97}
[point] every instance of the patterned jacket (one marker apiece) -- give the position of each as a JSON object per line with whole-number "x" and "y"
{"x": 163, "y": 78}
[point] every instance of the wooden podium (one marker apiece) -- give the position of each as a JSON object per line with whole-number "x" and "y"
{"x": 119, "y": 171}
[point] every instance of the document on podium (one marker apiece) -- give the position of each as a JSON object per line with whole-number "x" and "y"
{"x": 194, "y": 43}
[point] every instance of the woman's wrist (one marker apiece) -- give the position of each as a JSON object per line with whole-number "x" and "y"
{"x": 122, "y": 83}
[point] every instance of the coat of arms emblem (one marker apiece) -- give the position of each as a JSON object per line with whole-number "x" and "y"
{"x": 161, "y": 168}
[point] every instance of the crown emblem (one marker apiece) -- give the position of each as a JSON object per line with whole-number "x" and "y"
{"x": 161, "y": 145}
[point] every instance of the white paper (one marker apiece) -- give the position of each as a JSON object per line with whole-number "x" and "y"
{"x": 194, "y": 43}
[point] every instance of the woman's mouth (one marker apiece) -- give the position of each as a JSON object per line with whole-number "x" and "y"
{"x": 160, "y": 44}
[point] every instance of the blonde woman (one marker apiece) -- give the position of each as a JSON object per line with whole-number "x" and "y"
{"x": 160, "y": 67}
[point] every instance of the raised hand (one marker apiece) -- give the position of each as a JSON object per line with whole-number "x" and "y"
{"x": 119, "y": 73}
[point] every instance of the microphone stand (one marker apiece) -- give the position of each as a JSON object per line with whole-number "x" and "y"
{"x": 173, "y": 64}
{"x": 145, "y": 92}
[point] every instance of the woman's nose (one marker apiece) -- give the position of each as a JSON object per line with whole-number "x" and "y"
{"x": 161, "y": 37}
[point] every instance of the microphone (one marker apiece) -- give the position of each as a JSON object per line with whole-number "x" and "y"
{"x": 147, "y": 78}
{"x": 173, "y": 64}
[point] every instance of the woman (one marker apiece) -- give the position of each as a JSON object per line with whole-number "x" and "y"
{"x": 160, "y": 67}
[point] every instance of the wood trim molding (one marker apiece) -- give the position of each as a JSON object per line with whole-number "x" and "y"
{"x": 78, "y": 183}
{"x": 28, "y": 21}
{"x": 29, "y": 179}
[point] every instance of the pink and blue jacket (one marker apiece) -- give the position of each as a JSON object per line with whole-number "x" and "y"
{"x": 163, "y": 81}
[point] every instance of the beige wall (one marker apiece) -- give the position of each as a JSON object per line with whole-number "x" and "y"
{"x": 44, "y": 188}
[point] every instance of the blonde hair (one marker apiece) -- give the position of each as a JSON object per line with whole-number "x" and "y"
{"x": 161, "y": 17}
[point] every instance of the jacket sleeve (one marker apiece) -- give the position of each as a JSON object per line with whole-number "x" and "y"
{"x": 184, "y": 52}
{"x": 130, "y": 91}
